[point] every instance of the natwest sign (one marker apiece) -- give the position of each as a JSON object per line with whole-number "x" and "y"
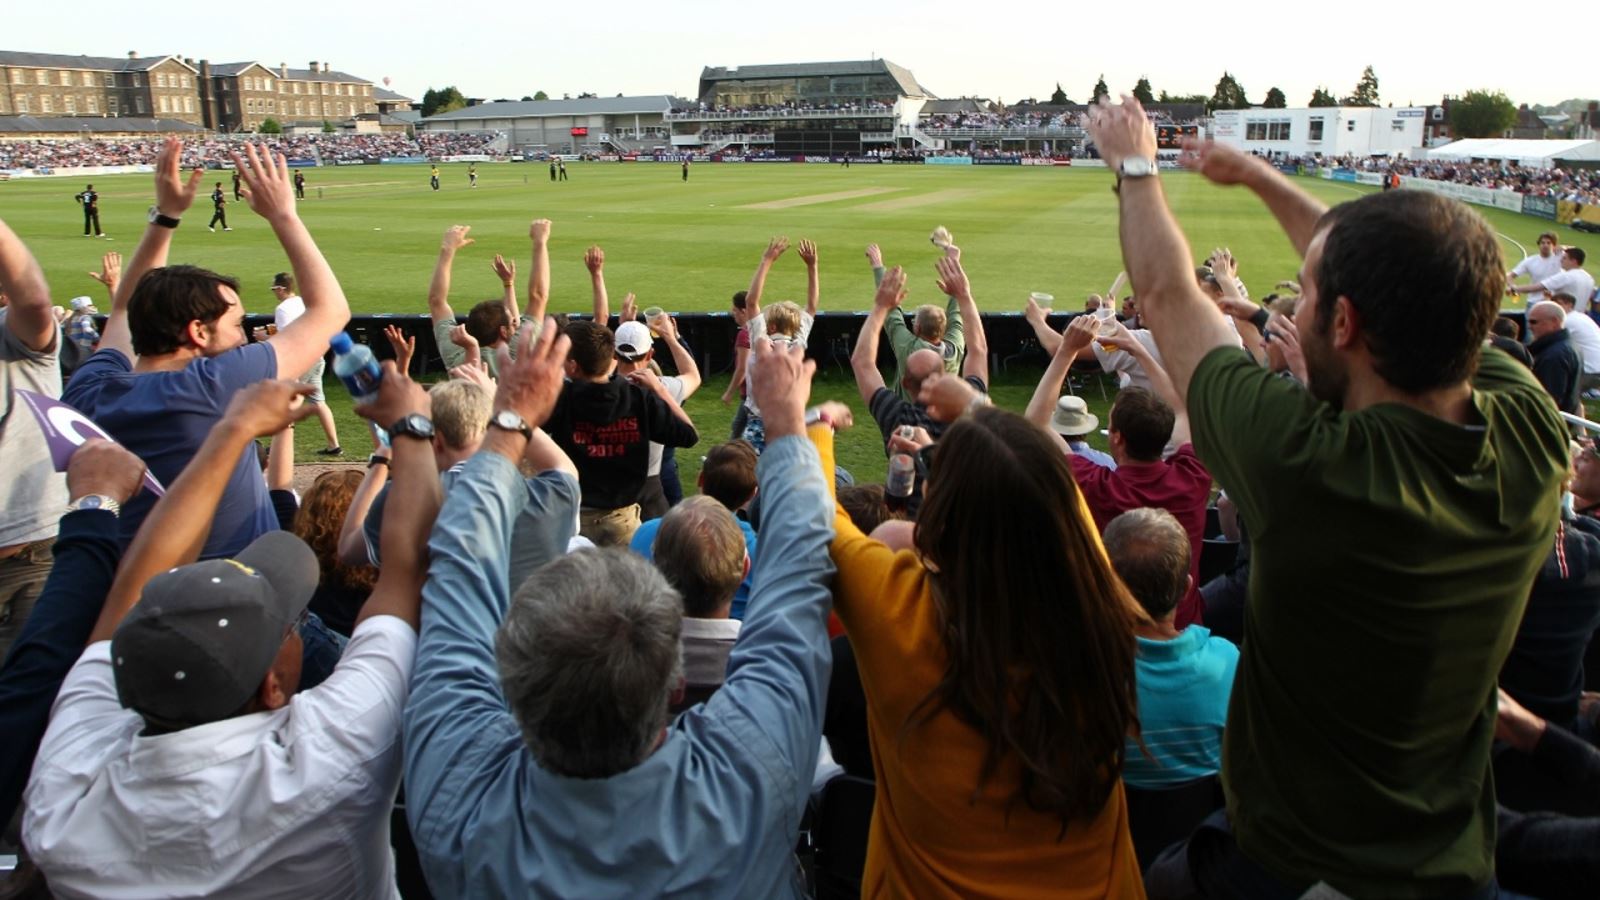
{"x": 580, "y": 132}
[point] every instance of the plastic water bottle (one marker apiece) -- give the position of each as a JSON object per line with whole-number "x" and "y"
{"x": 901, "y": 483}
{"x": 356, "y": 367}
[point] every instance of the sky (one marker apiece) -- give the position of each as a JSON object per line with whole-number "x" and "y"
{"x": 493, "y": 49}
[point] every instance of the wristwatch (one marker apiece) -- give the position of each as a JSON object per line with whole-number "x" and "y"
{"x": 506, "y": 420}
{"x": 1135, "y": 167}
{"x": 96, "y": 501}
{"x": 165, "y": 221}
{"x": 415, "y": 425}
{"x": 376, "y": 460}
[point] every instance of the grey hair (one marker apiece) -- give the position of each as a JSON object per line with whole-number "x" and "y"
{"x": 589, "y": 658}
{"x": 1150, "y": 551}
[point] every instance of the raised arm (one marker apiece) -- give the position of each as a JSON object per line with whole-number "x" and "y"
{"x": 270, "y": 193}
{"x": 682, "y": 359}
{"x": 758, "y": 282}
{"x": 594, "y": 259}
{"x": 1160, "y": 381}
{"x": 352, "y": 534}
{"x": 412, "y": 505}
{"x": 110, "y": 275}
{"x": 176, "y": 528}
{"x": 1035, "y": 315}
{"x": 28, "y": 295}
{"x": 808, "y": 254}
{"x": 455, "y": 237}
{"x": 954, "y": 283}
{"x": 539, "y": 278}
{"x": 1186, "y": 324}
{"x": 681, "y": 428}
{"x": 506, "y": 271}
{"x": 864, "y": 358}
{"x": 280, "y": 461}
{"x": 1080, "y": 332}
{"x": 174, "y": 196}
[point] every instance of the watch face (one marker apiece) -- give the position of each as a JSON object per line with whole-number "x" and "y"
{"x": 90, "y": 502}
{"x": 416, "y": 425}
{"x": 508, "y": 420}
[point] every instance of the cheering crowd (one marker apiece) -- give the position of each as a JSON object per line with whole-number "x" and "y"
{"x": 328, "y": 148}
{"x": 1577, "y": 185}
{"x": 512, "y": 650}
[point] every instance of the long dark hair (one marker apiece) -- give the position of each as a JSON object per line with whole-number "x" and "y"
{"x": 1037, "y": 628}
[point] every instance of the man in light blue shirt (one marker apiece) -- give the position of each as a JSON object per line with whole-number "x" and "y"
{"x": 728, "y": 475}
{"x": 1184, "y": 677}
{"x": 539, "y": 759}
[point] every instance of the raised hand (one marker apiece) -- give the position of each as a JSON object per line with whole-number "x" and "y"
{"x": 874, "y": 256}
{"x": 397, "y": 397}
{"x": 892, "y": 290}
{"x": 110, "y": 273}
{"x": 268, "y": 189}
{"x": 919, "y": 438}
{"x": 1080, "y": 333}
{"x": 1217, "y": 162}
{"x": 664, "y": 325}
{"x": 455, "y": 237}
{"x": 630, "y": 309}
{"x": 1033, "y": 312}
{"x": 174, "y": 195}
{"x": 504, "y": 270}
{"x": 808, "y": 252}
{"x": 595, "y": 259}
{"x": 1121, "y": 130}
{"x": 780, "y": 383}
{"x": 102, "y": 467}
{"x": 1222, "y": 264}
{"x": 946, "y": 397}
{"x": 646, "y": 379}
{"x": 268, "y": 407}
{"x": 952, "y": 278}
{"x": 531, "y": 384}
{"x": 539, "y": 230}
{"x": 473, "y": 372}
{"x": 839, "y": 414}
{"x": 775, "y": 248}
{"x": 404, "y": 347}
{"x": 1283, "y": 331}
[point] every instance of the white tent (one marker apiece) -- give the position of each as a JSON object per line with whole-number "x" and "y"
{"x": 1538, "y": 154}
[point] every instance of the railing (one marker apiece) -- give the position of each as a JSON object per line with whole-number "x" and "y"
{"x": 874, "y": 112}
{"x": 1028, "y": 131}
{"x": 1581, "y": 422}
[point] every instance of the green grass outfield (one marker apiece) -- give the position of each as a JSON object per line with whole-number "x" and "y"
{"x": 685, "y": 246}
{"x": 689, "y": 246}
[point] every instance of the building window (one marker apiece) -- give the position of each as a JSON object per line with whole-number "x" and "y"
{"x": 188, "y": 104}
{"x": 138, "y": 80}
{"x": 1277, "y": 131}
{"x": 111, "y": 80}
{"x": 92, "y": 105}
{"x": 163, "y": 103}
{"x": 88, "y": 79}
{"x": 299, "y": 108}
{"x": 22, "y": 103}
{"x": 1397, "y": 125}
{"x": 66, "y": 79}
{"x": 227, "y": 107}
{"x": 314, "y": 107}
{"x": 44, "y": 104}
{"x": 1350, "y": 125}
{"x": 41, "y": 77}
{"x": 266, "y": 84}
{"x": 1315, "y": 131}
{"x": 188, "y": 81}
{"x": 70, "y": 104}
{"x": 19, "y": 77}
{"x": 272, "y": 106}
{"x": 111, "y": 105}
{"x": 161, "y": 79}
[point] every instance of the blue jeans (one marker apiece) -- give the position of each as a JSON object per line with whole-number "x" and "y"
{"x": 322, "y": 648}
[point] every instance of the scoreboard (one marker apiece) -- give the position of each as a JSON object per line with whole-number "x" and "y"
{"x": 1170, "y": 137}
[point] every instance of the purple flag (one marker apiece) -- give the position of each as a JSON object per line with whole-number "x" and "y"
{"x": 65, "y": 430}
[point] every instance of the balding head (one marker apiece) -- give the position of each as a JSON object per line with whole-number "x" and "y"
{"x": 920, "y": 366}
{"x": 701, "y": 551}
{"x": 1545, "y": 318}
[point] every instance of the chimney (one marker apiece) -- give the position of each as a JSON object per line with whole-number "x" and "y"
{"x": 313, "y": 67}
{"x": 283, "y": 71}
{"x": 133, "y": 54}
{"x": 324, "y": 68}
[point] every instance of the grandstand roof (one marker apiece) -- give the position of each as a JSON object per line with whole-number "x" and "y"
{"x": 588, "y": 106}
{"x": 957, "y": 105}
{"x": 389, "y": 96}
{"x": 1534, "y": 152}
{"x": 23, "y": 58}
{"x": 287, "y": 73}
{"x": 92, "y": 125}
{"x": 903, "y": 77}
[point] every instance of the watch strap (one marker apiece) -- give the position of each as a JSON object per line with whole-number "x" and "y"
{"x": 159, "y": 218}
{"x": 521, "y": 427}
{"x": 95, "y": 501}
{"x": 376, "y": 460}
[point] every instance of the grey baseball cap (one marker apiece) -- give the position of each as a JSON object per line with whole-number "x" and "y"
{"x": 202, "y": 637}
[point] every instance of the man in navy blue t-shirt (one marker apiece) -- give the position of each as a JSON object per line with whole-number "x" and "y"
{"x": 173, "y": 351}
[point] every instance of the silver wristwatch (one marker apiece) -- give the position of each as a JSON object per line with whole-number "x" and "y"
{"x": 96, "y": 501}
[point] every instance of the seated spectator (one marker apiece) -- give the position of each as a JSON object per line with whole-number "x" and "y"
{"x": 1142, "y": 425}
{"x": 602, "y": 796}
{"x": 1022, "y": 796}
{"x": 636, "y": 353}
{"x": 491, "y": 324}
{"x": 891, "y": 409}
{"x": 701, "y": 551}
{"x": 1586, "y": 481}
{"x": 173, "y": 352}
{"x": 605, "y": 424}
{"x": 461, "y": 416}
{"x": 1555, "y": 359}
{"x": 728, "y": 475}
{"x": 1185, "y": 675}
{"x": 1544, "y": 854}
{"x": 1073, "y": 421}
{"x": 179, "y": 760}
{"x": 933, "y": 328}
{"x": 1585, "y": 339}
{"x": 341, "y": 589}
{"x": 1504, "y": 334}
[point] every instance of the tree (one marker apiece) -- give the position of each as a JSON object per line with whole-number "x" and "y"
{"x": 442, "y": 100}
{"x": 1059, "y": 97}
{"x": 1100, "y": 89}
{"x": 1195, "y": 99}
{"x": 1228, "y": 95}
{"x": 1142, "y": 92}
{"x": 269, "y": 126}
{"x": 327, "y": 127}
{"x": 1366, "y": 93}
{"x": 1275, "y": 99}
{"x": 1478, "y": 114}
{"x": 1323, "y": 97}
{"x": 540, "y": 95}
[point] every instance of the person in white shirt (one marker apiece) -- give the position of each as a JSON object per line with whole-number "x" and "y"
{"x": 635, "y": 350}
{"x": 1542, "y": 265}
{"x": 1572, "y": 279}
{"x": 289, "y": 308}
{"x": 180, "y": 761}
{"x": 1585, "y": 336}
